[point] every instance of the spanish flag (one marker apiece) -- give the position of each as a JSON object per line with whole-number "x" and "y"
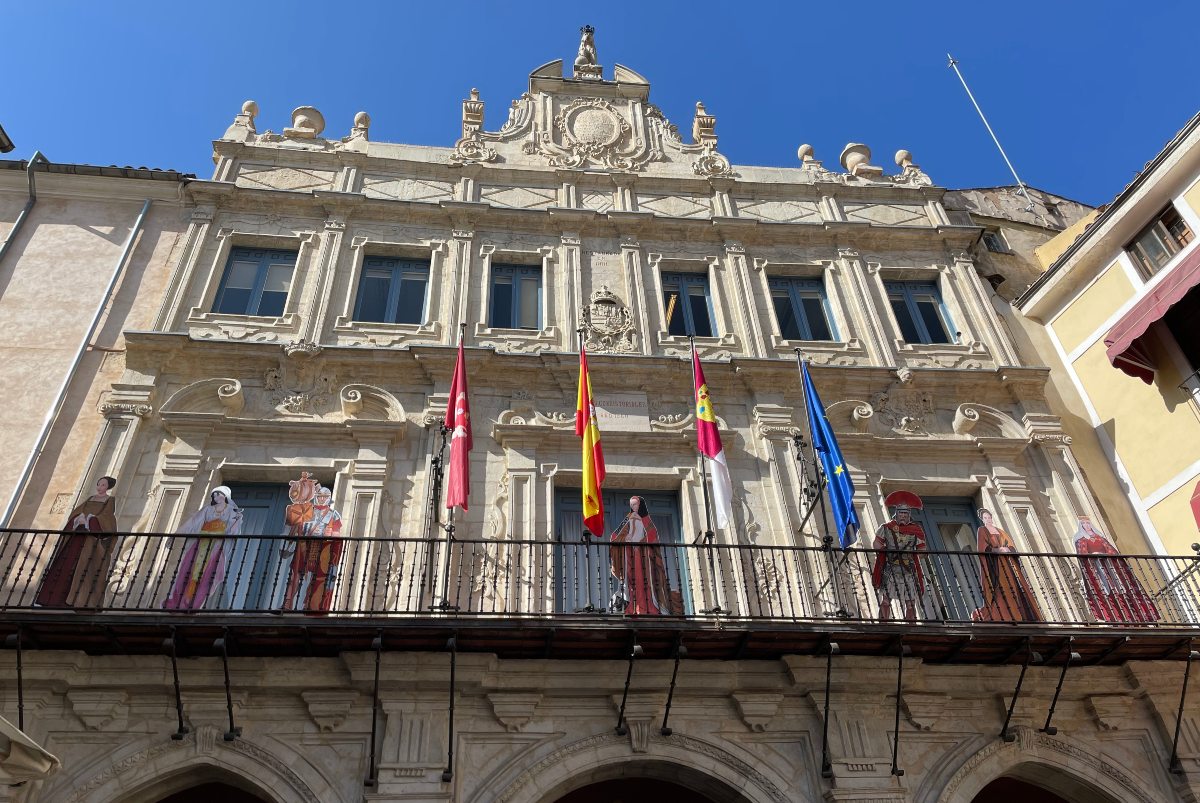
{"x": 593, "y": 455}
{"x": 709, "y": 442}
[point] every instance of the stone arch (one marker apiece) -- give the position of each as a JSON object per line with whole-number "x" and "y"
{"x": 137, "y": 775}
{"x": 1066, "y": 769}
{"x": 604, "y": 756}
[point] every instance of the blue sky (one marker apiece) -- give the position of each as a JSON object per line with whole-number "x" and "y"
{"x": 1082, "y": 94}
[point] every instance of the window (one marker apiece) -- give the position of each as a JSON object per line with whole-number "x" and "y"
{"x": 687, "y": 304}
{"x": 516, "y": 297}
{"x": 801, "y": 309}
{"x": 392, "y": 290}
{"x": 995, "y": 242}
{"x": 256, "y": 282}
{"x": 1160, "y": 241}
{"x": 917, "y": 307}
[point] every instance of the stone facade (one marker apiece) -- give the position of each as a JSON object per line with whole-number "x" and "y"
{"x": 589, "y": 186}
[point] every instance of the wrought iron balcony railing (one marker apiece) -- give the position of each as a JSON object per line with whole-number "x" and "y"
{"x": 522, "y": 580}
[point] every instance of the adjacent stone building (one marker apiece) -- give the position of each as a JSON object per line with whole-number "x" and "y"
{"x": 306, "y": 322}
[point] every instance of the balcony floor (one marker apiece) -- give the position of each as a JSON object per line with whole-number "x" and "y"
{"x": 583, "y": 637}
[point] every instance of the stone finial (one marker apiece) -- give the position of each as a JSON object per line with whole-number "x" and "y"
{"x": 242, "y": 127}
{"x": 472, "y": 114}
{"x": 910, "y": 172}
{"x": 704, "y": 126}
{"x": 362, "y": 125}
{"x": 307, "y": 123}
{"x": 586, "y": 64}
{"x": 805, "y": 153}
{"x": 856, "y": 159}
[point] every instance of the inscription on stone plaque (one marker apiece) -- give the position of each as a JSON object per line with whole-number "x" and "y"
{"x": 623, "y": 412}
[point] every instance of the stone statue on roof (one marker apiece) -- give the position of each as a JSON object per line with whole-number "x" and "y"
{"x": 586, "y": 63}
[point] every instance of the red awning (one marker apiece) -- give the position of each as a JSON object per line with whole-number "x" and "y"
{"x": 1124, "y": 352}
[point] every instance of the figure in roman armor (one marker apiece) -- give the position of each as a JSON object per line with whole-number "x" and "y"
{"x": 316, "y": 528}
{"x": 897, "y": 575}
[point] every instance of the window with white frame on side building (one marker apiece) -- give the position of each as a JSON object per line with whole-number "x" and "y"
{"x": 1154, "y": 245}
{"x": 256, "y": 282}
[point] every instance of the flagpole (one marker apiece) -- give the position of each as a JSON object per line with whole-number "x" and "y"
{"x": 822, "y": 483}
{"x": 708, "y": 531}
{"x": 449, "y": 525}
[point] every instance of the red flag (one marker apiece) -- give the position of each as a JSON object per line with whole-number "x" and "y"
{"x": 708, "y": 439}
{"x": 458, "y": 419}
{"x": 587, "y": 428}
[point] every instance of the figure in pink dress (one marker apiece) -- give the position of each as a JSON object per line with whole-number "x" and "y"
{"x": 1113, "y": 592}
{"x": 642, "y": 583}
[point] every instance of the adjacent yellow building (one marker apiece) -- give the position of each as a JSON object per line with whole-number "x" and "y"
{"x": 1120, "y": 304}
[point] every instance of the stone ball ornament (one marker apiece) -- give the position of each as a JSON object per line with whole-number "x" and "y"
{"x": 805, "y": 152}
{"x": 903, "y": 158}
{"x": 855, "y": 154}
{"x": 362, "y": 120}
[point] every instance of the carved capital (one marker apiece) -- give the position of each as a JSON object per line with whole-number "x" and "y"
{"x": 757, "y": 709}
{"x": 328, "y": 707}
{"x": 112, "y": 409}
{"x": 97, "y": 707}
{"x": 513, "y": 710}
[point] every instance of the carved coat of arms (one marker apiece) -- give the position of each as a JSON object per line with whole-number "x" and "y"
{"x": 607, "y": 323}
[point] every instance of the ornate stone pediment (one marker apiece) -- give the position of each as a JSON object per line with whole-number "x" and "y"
{"x": 587, "y": 122}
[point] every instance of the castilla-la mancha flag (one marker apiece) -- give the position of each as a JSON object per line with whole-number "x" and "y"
{"x": 458, "y": 421}
{"x": 593, "y": 455}
{"x": 709, "y": 441}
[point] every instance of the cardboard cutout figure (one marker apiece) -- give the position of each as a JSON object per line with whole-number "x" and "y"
{"x": 316, "y": 528}
{"x": 642, "y": 583}
{"x": 1112, "y": 590}
{"x": 1006, "y": 592}
{"x": 202, "y": 567}
{"x": 897, "y": 574}
{"x": 78, "y": 572}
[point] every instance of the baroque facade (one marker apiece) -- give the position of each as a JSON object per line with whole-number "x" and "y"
{"x": 305, "y": 322}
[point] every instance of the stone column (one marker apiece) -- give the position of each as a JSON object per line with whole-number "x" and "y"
{"x": 975, "y": 304}
{"x": 635, "y": 288}
{"x": 458, "y": 279}
{"x": 865, "y": 301}
{"x": 185, "y": 269}
{"x": 313, "y": 327}
{"x": 571, "y": 296}
{"x": 735, "y": 257}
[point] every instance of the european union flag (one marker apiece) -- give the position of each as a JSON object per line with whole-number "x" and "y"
{"x": 841, "y": 490}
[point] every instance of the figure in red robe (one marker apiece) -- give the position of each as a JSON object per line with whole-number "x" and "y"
{"x": 642, "y": 583}
{"x": 1113, "y": 592}
{"x": 897, "y": 574}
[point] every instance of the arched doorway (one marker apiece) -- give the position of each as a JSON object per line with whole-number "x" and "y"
{"x": 209, "y": 792}
{"x": 1007, "y": 789}
{"x": 636, "y": 790}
